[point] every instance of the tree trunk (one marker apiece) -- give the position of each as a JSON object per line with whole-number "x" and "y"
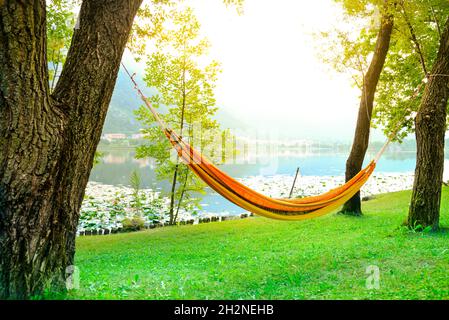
{"x": 48, "y": 141}
{"x": 171, "y": 212}
{"x": 371, "y": 78}
{"x": 183, "y": 190}
{"x": 430, "y": 125}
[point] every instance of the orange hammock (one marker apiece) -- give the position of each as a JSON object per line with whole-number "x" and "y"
{"x": 248, "y": 199}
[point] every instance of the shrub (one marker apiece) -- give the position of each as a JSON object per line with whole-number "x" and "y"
{"x": 133, "y": 224}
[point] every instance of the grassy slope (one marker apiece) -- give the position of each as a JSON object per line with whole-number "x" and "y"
{"x": 257, "y": 258}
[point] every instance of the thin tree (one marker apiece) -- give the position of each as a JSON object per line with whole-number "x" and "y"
{"x": 370, "y": 80}
{"x": 187, "y": 88}
{"x": 60, "y": 23}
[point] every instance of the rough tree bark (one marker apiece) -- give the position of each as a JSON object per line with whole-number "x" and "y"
{"x": 430, "y": 124}
{"x": 48, "y": 141}
{"x": 371, "y": 78}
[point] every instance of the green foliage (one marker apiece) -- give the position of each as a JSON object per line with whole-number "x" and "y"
{"x": 148, "y": 25}
{"x": 237, "y": 4}
{"x": 117, "y": 209}
{"x": 150, "y": 21}
{"x": 152, "y": 210}
{"x": 416, "y": 228}
{"x": 257, "y": 259}
{"x": 135, "y": 223}
{"x": 99, "y": 213}
{"x": 417, "y": 24}
{"x": 60, "y": 23}
{"x": 402, "y": 80}
{"x": 351, "y": 45}
{"x": 97, "y": 157}
{"x": 135, "y": 183}
{"x": 185, "y": 85}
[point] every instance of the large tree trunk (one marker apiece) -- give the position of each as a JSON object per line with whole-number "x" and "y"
{"x": 430, "y": 130}
{"x": 48, "y": 141}
{"x": 371, "y": 78}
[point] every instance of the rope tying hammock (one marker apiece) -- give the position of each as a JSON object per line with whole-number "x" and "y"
{"x": 250, "y": 200}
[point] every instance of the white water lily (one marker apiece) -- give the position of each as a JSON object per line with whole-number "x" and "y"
{"x": 105, "y": 206}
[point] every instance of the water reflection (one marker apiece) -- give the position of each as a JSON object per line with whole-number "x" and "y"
{"x": 117, "y": 164}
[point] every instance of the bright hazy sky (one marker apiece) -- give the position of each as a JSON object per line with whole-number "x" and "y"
{"x": 272, "y": 76}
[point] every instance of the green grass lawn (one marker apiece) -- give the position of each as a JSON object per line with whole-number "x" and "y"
{"x": 257, "y": 258}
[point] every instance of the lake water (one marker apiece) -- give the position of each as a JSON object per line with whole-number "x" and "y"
{"x": 117, "y": 165}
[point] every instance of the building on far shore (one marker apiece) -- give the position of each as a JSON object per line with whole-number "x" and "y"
{"x": 114, "y": 136}
{"x": 137, "y": 136}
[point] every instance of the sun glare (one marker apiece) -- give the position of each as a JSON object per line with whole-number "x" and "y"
{"x": 272, "y": 74}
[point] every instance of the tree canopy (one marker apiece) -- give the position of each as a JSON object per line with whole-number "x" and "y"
{"x": 413, "y": 48}
{"x": 185, "y": 85}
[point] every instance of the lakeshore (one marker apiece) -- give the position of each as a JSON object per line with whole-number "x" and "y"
{"x": 105, "y": 206}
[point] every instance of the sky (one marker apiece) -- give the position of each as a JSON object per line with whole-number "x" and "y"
{"x": 272, "y": 75}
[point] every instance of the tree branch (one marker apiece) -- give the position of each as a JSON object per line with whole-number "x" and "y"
{"x": 432, "y": 10}
{"x": 414, "y": 39}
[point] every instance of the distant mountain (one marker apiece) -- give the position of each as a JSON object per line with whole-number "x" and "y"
{"x": 227, "y": 120}
{"x": 120, "y": 117}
